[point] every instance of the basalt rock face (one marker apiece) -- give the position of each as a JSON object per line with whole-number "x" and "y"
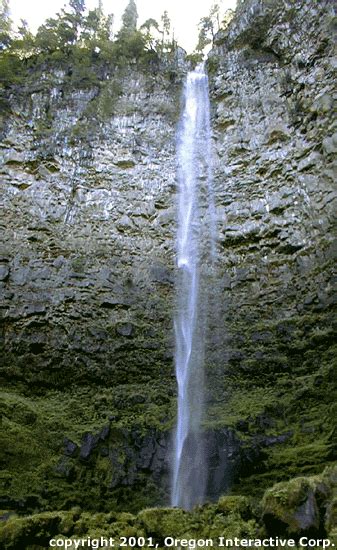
{"x": 272, "y": 88}
{"x": 87, "y": 272}
{"x": 87, "y": 230}
{"x": 87, "y": 277}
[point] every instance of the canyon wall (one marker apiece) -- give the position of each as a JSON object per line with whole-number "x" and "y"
{"x": 87, "y": 271}
{"x": 87, "y": 276}
{"x": 272, "y": 88}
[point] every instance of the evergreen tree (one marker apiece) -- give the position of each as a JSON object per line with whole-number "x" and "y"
{"x": 166, "y": 22}
{"x": 130, "y": 43}
{"x": 166, "y": 25}
{"x": 5, "y": 24}
{"x": 210, "y": 25}
{"x": 97, "y": 31}
{"x": 130, "y": 17}
{"x": 24, "y": 41}
{"x": 63, "y": 31}
{"x": 147, "y": 29}
{"x": 73, "y": 19}
{"x": 78, "y": 7}
{"x": 49, "y": 36}
{"x": 150, "y": 23}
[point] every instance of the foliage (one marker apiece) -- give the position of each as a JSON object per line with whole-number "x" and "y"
{"x": 82, "y": 43}
{"x": 211, "y": 24}
{"x": 194, "y": 58}
{"x": 147, "y": 28}
{"x": 10, "y": 68}
{"x": 166, "y": 23}
{"x": 5, "y": 24}
{"x": 130, "y": 17}
{"x": 230, "y": 517}
{"x": 208, "y": 26}
{"x": 129, "y": 46}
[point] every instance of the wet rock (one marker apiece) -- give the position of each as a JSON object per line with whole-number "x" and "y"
{"x": 124, "y": 223}
{"x": 125, "y": 329}
{"x": 330, "y": 144}
{"x": 104, "y": 433}
{"x": 277, "y": 133}
{"x": 65, "y": 468}
{"x": 113, "y": 303}
{"x": 70, "y": 448}
{"x": 222, "y": 449}
{"x": 276, "y": 439}
{"x": 162, "y": 274}
{"x": 89, "y": 443}
{"x": 293, "y": 507}
{"x": 311, "y": 160}
{"x": 4, "y": 272}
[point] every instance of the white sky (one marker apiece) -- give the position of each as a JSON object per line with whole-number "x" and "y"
{"x": 184, "y": 14}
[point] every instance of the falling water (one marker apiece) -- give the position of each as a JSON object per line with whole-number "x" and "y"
{"x": 195, "y": 247}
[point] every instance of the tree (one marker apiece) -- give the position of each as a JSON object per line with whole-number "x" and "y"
{"x": 166, "y": 26}
{"x": 62, "y": 32}
{"x": 130, "y": 17}
{"x": 47, "y": 36}
{"x": 91, "y": 25}
{"x": 147, "y": 29}
{"x": 210, "y": 25}
{"x": 150, "y": 23}
{"x": 130, "y": 43}
{"x": 73, "y": 20}
{"x": 97, "y": 27}
{"x": 24, "y": 40}
{"x": 78, "y": 7}
{"x": 5, "y": 24}
{"x": 166, "y": 22}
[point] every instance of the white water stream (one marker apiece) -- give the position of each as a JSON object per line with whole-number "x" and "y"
{"x": 195, "y": 248}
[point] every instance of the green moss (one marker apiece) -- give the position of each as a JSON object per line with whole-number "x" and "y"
{"x": 78, "y": 264}
{"x": 163, "y": 522}
{"x": 299, "y": 404}
{"x": 20, "y": 532}
{"x": 241, "y": 404}
{"x": 103, "y": 106}
{"x": 230, "y": 517}
{"x": 298, "y": 505}
{"x": 38, "y": 474}
{"x": 237, "y": 504}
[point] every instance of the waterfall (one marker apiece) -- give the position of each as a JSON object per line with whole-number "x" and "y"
{"x": 195, "y": 248}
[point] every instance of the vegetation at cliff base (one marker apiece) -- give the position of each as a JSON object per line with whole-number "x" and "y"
{"x": 279, "y": 515}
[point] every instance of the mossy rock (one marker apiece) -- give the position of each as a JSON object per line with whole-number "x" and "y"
{"x": 329, "y": 476}
{"x": 163, "y": 522}
{"x": 294, "y": 507}
{"x": 232, "y": 526}
{"x": 301, "y": 506}
{"x": 333, "y": 537}
{"x": 234, "y": 503}
{"x": 22, "y": 532}
{"x": 331, "y": 517}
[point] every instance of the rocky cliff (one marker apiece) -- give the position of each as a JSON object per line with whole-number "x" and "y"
{"x": 272, "y": 88}
{"x": 87, "y": 271}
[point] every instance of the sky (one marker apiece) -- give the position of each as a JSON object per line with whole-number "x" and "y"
{"x": 184, "y": 14}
